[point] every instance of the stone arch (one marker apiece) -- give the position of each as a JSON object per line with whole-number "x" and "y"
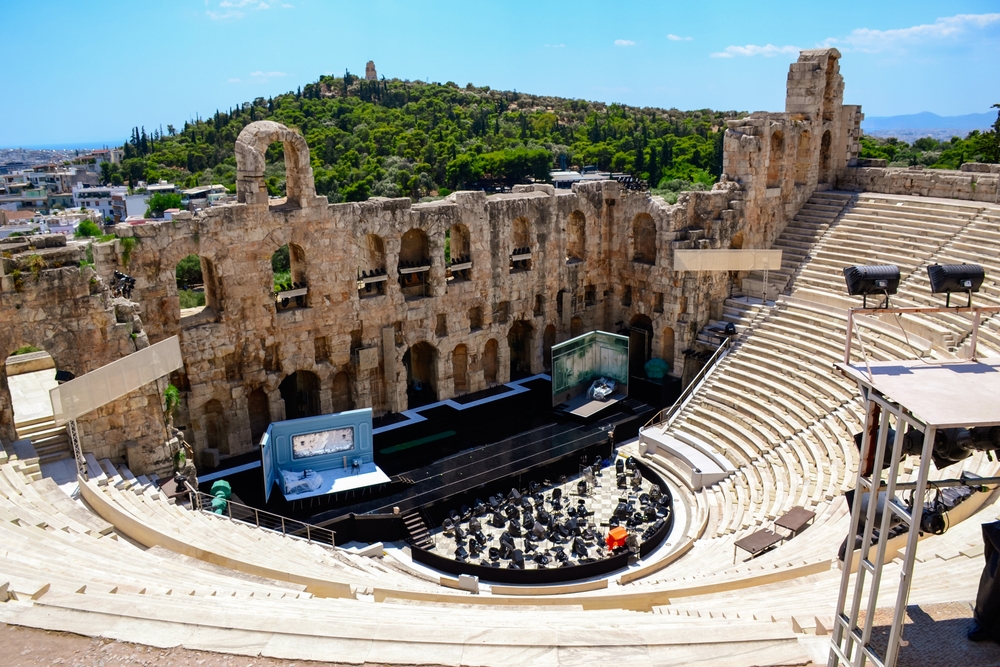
{"x": 288, "y": 267}
{"x": 776, "y": 159}
{"x": 340, "y": 391}
{"x": 459, "y": 252}
{"x": 460, "y": 368}
{"x": 251, "y": 147}
{"x": 644, "y": 239}
{"x": 414, "y": 257}
{"x": 824, "y": 158}
{"x": 548, "y": 340}
{"x": 575, "y": 327}
{"x": 491, "y": 361}
{"x": 300, "y": 392}
{"x": 420, "y": 361}
{"x": 216, "y": 427}
{"x": 258, "y": 413}
{"x": 576, "y": 237}
{"x": 521, "y": 244}
{"x": 803, "y": 157}
{"x": 520, "y": 338}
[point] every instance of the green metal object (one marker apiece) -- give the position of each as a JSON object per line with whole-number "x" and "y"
{"x": 222, "y": 492}
{"x": 656, "y": 369}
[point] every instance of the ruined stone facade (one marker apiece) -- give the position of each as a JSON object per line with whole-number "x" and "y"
{"x": 528, "y": 269}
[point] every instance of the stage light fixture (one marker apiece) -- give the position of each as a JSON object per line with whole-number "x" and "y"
{"x": 876, "y": 279}
{"x": 948, "y": 278}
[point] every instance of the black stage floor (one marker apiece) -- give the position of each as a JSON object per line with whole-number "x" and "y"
{"x": 452, "y": 448}
{"x": 477, "y": 468}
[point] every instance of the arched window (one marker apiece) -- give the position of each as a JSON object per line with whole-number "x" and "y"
{"x": 520, "y": 252}
{"x": 576, "y": 237}
{"x": 260, "y": 172}
{"x": 775, "y": 160}
{"x": 196, "y": 287}
{"x": 575, "y": 327}
{"x": 371, "y": 266}
{"x": 458, "y": 253}
{"x": 414, "y": 264}
{"x": 288, "y": 266}
{"x": 644, "y": 239}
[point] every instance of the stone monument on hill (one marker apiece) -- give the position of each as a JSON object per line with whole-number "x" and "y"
{"x": 370, "y": 74}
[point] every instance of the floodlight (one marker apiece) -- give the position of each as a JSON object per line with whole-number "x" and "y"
{"x": 877, "y": 279}
{"x": 948, "y": 278}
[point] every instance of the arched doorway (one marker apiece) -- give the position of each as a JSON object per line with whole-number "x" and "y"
{"x": 341, "y": 393}
{"x": 216, "y": 427}
{"x": 460, "y": 368}
{"x": 668, "y": 346}
{"x": 575, "y": 327}
{"x": 259, "y": 413}
{"x": 548, "y": 340}
{"x": 300, "y": 392}
{"x": 775, "y": 160}
{"x": 519, "y": 339}
{"x": 490, "y": 361}
{"x": 640, "y": 341}
{"x": 421, "y": 377}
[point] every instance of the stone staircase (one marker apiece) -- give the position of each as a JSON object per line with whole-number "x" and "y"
{"x": 51, "y": 442}
{"x": 419, "y": 535}
{"x": 798, "y": 240}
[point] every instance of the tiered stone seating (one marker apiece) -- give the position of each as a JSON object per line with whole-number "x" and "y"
{"x": 130, "y": 565}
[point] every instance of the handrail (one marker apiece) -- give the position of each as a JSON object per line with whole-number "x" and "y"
{"x": 668, "y": 413}
{"x": 262, "y": 519}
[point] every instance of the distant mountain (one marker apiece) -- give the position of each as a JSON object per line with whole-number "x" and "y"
{"x": 929, "y": 121}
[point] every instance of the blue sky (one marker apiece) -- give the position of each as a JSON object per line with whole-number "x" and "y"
{"x": 92, "y": 70}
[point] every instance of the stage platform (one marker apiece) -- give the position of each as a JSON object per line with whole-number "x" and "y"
{"x": 337, "y": 480}
{"x": 585, "y": 408}
{"x": 475, "y": 468}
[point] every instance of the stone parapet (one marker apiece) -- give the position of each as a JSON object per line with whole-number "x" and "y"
{"x": 950, "y": 184}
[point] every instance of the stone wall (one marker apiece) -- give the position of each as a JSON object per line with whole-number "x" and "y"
{"x": 69, "y": 313}
{"x": 600, "y": 258}
{"x": 979, "y": 185}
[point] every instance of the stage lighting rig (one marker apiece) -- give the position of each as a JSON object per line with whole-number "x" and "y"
{"x": 948, "y": 278}
{"x": 876, "y": 279}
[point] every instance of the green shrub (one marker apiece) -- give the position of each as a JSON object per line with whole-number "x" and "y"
{"x": 26, "y": 349}
{"x": 86, "y": 229}
{"x": 190, "y": 298}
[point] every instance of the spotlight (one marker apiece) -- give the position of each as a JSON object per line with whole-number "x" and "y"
{"x": 878, "y": 279}
{"x": 948, "y": 278}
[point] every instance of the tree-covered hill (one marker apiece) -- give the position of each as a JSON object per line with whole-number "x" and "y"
{"x": 929, "y": 152}
{"x": 410, "y": 138}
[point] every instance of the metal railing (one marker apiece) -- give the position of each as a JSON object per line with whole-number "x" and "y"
{"x": 235, "y": 511}
{"x": 666, "y": 414}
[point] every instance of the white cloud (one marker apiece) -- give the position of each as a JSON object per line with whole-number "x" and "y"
{"x": 235, "y": 79}
{"x": 677, "y": 38}
{"x": 624, "y": 42}
{"x": 231, "y": 9}
{"x": 263, "y": 76}
{"x": 768, "y": 51}
{"x": 869, "y": 40}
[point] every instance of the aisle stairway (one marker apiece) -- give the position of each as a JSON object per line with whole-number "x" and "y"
{"x": 51, "y": 442}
